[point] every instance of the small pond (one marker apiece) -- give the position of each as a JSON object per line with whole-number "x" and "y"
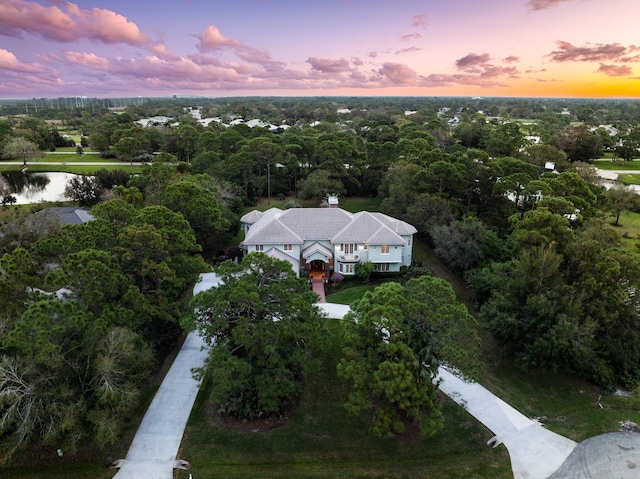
{"x": 30, "y": 188}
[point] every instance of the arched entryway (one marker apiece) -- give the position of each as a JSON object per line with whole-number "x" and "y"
{"x": 318, "y": 270}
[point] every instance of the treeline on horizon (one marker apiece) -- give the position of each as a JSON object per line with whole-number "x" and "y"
{"x": 588, "y": 110}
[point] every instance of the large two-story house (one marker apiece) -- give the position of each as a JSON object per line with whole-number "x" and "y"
{"x": 317, "y": 241}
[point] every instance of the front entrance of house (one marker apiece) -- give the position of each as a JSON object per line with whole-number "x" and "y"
{"x": 318, "y": 270}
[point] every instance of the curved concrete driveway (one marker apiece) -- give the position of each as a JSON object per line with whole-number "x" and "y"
{"x": 535, "y": 452}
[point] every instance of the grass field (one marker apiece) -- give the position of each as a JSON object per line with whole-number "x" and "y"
{"x": 629, "y": 179}
{"x": 71, "y": 168}
{"x": 348, "y": 296}
{"x": 351, "y": 204}
{"x": 617, "y": 165}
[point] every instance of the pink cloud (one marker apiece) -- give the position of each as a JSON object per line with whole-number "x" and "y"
{"x": 162, "y": 50}
{"x": 480, "y": 66}
{"x": 419, "y": 21}
{"x": 537, "y": 5}
{"x": 511, "y": 59}
{"x": 87, "y": 60}
{"x": 615, "y": 70}
{"x": 410, "y": 37}
{"x": 211, "y": 39}
{"x": 408, "y": 50}
{"x": 8, "y": 61}
{"x": 155, "y": 69}
{"x": 472, "y": 60}
{"x": 589, "y": 53}
{"x": 443, "y": 80}
{"x": 254, "y": 55}
{"x": 68, "y": 23}
{"x": 398, "y": 73}
{"x": 328, "y": 65}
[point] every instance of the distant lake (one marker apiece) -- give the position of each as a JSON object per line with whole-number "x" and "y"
{"x": 30, "y": 188}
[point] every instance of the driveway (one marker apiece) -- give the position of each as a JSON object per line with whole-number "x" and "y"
{"x": 154, "y": 449}
{"x": 535, "y": 452}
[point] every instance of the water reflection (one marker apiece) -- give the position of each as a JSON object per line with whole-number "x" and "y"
{"x": 29, "y": 188}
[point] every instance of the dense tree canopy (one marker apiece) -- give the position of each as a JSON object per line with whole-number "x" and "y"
{"x": 261, "y": 323}
{"x": 397, "y": 337}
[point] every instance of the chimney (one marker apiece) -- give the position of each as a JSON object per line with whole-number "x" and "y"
{"x": 332, "y": 200}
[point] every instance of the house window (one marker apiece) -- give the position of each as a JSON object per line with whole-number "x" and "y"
{"x": 382, "y": 267}
{"x": 288, "y": 247}
{"x": 409, "y": 242}
{"x": 364, "y": 246}
{"x": 384, "y": 249}
{"x": 347, "y": 248}
{"x": 348, "y": 268}
{"x": 259, "y": 247}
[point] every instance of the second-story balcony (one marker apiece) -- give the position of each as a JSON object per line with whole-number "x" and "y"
{"x": 349, "y": 257}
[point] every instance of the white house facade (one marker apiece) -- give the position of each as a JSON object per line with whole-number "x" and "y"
{"x": 317, "y": 241}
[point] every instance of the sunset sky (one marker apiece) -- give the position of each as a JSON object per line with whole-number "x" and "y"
{"x": 112, "y": 48}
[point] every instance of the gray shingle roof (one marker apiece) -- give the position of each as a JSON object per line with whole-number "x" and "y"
{"x": 251, "y": 217}
{"x": 317, "y": 248}
{"x": 272, "y": 232}
{"x": 68, "y": 215}
{"x": 316, "y": 223}
{"x": 385, "y": 236}
{"x": 398, "y": 226}
{"x": 276, "y": 253}
{"x": 362, "y": 226}
{"x": 297, "y": 225}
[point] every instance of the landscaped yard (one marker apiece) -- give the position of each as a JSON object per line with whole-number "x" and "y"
{"x": 348, "y": 296}
{"x": 320, "y": 440}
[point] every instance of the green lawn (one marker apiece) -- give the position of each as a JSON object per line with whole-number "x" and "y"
{"x": 319, "y": 440}
{"x": 617, "y": 165}
{"x": 629, "y": 179}
{"x": 73, "y": 157}
{"x": 348, "y": 296}
{"x": 71, "y": 168}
